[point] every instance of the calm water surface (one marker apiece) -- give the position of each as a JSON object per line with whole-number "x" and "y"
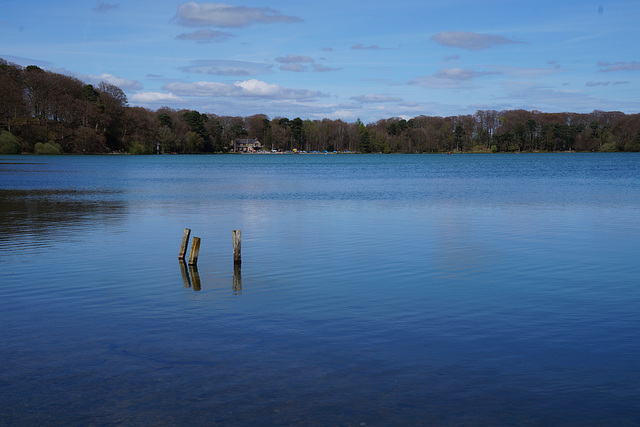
{"x": 374, "y": 290}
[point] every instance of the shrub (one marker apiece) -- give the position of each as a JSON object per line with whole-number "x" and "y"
{"x": 477, "y": 149}
{"x": 610, "y": 147}
{"x": 8, "y": 143}
{"x": 139, "y": 148}
{"x": 632, "y": 146}
{"x": 49, "y": 148}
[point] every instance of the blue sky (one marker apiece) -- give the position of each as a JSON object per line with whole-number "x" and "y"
{"x": 339, "y": 59}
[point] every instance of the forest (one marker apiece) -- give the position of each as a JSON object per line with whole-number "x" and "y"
{"x": 44, "y": 112}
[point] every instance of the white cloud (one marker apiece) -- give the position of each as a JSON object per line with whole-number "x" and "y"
{"x": 205, "y": 35}
{"x": 461, "y": 73}
{"x": 450, "y": 78}
{"x": 154, "y": 97}
{"x": 619, "y": 66}
{"x": 102, "y": 7}
{"x": 363, "y": 47}
{"x": 244, "y": 89}
{"x": 294, "y": 63}
{"x": 592, "y": 84}
{"x": 194, "y": 14}
{"x": 122, "y": 83}
{"x": 298, "y": 68}
{"x": 469, "y": 40}
{"x": 373, "y": 98}
{"x": 294, "y": 59}
{"x": 433, "y": 82}
{"x": 255, "y": 87}
{"x": 527, "y": 73}
{"x": 200, "y": 88}
{"x": 223, "y": 67}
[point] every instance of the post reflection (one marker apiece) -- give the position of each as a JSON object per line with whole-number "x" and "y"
{"x": 237, "y": 279}
{"x": 185, "y": 274}
{"x": 195, "y": 278}
{"x": 190, "y": 276}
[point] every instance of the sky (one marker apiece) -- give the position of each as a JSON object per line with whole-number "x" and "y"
{"x": 339, "y": 59}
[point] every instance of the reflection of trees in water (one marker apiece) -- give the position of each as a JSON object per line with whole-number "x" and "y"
{"x": 44, "y": 214}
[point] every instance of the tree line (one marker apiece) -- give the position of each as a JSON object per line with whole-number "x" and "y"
{"x": 47, "y": 112}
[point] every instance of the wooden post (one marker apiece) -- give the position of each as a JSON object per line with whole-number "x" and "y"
{"x": 237, "y": 235}
{"x": 195, "y": 248}
{"x": 185, "y": 243}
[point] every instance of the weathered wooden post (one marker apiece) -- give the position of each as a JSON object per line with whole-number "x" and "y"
{"x": 237, "y": 235}
{"x": 185, "y": 243}
{"x": 195, "y": 249}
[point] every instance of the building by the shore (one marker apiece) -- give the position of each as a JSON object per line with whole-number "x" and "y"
{"x": 246, "y": 145}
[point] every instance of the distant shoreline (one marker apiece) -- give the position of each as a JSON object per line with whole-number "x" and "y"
{"x": 307, "y": 153}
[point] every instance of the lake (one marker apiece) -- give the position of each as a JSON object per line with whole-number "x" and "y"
{"x": 374, "y": 290}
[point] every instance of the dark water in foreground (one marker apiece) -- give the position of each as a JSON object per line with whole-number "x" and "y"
{"x": 374, "y": 290}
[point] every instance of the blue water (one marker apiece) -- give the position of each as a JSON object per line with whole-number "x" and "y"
{"x": 374, "y": 290}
